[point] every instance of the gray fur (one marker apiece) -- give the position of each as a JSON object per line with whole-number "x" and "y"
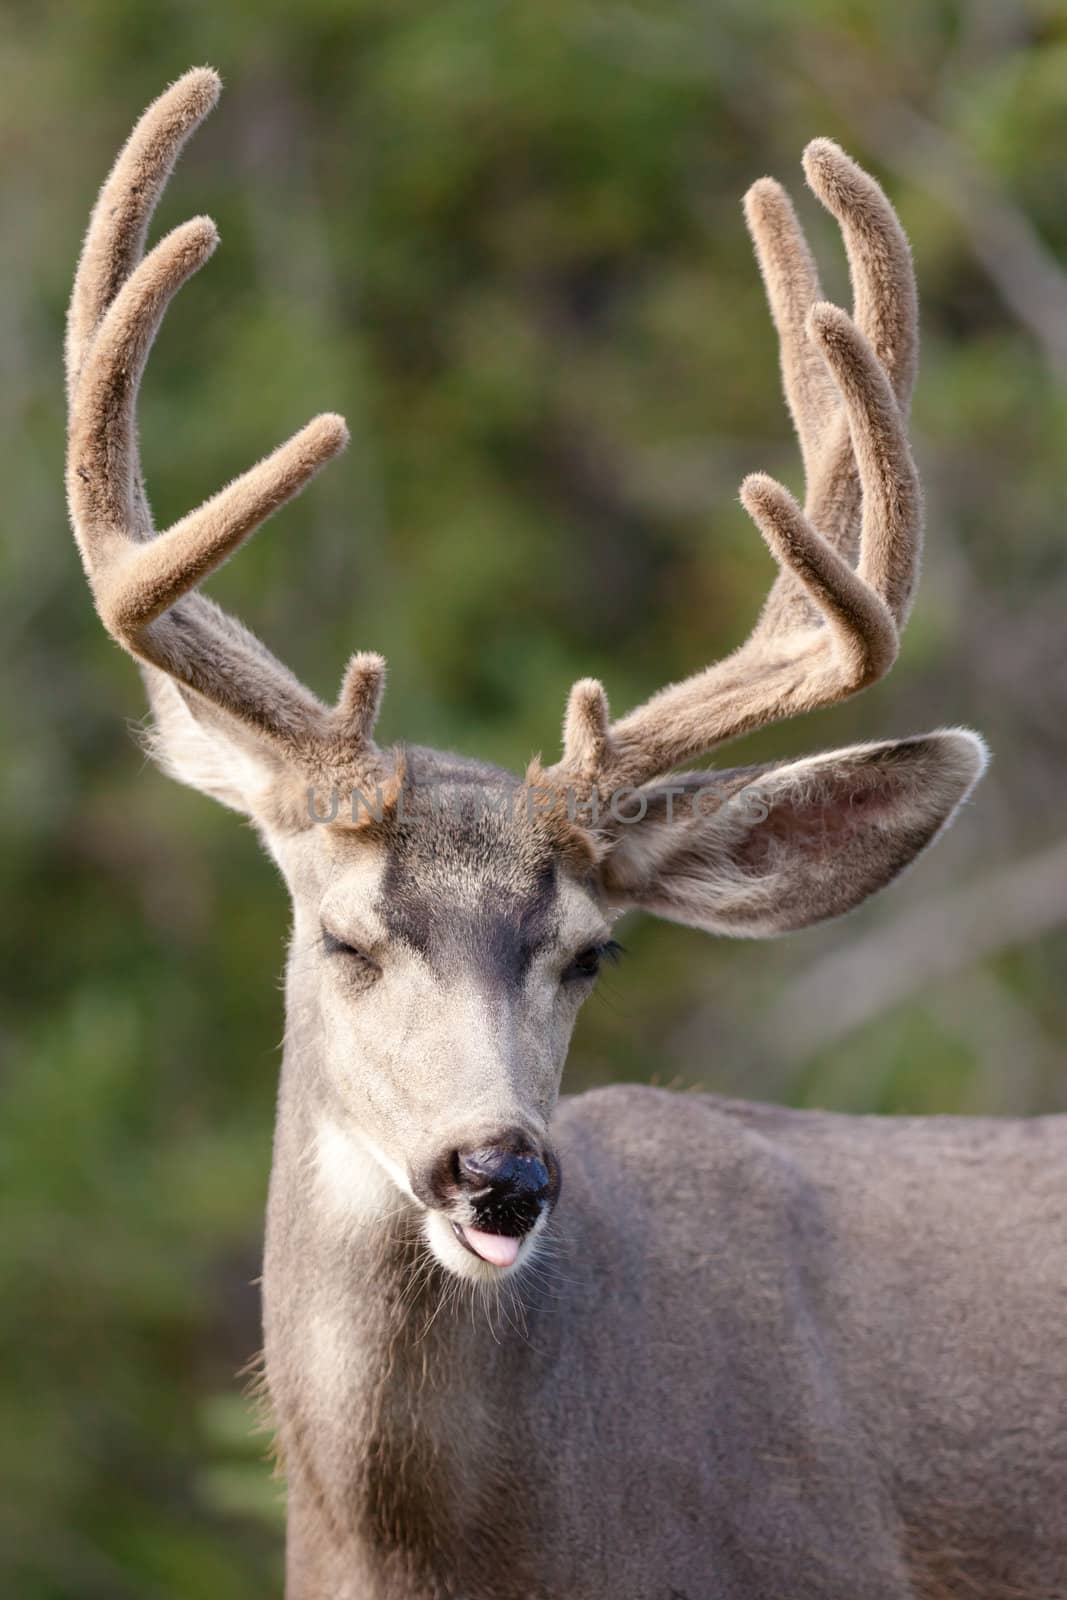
{"x": 770, "y": 1354}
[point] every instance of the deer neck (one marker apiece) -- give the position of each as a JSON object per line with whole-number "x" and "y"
{"x": 388, "y": 1383}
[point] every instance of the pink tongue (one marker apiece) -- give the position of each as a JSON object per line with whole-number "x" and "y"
{"x": 496, "y": 1248}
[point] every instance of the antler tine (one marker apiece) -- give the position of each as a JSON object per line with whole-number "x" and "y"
{"x": 885, "y": 299}
{"x": 829, "y": 627}
{"x": 791, "y": 281}
{"x": 885, "y": 309}
{"x": 114, "y": 242}
{"x": 586, "y": 730}
{"x": 143, "y": 584}
{"x": 360, "y": 699}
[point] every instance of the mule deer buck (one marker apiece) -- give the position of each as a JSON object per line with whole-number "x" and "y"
{"x": 628, "y": 1345}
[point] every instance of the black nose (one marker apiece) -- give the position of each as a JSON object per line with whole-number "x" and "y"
{"x": 507, "y": 1183}
{"x": 499, "y": 1174}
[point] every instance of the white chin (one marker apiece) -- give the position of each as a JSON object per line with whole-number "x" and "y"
{"x": 463, "y": 1263}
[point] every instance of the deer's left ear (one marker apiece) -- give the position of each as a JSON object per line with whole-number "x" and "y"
{"x": 766, "y": 850}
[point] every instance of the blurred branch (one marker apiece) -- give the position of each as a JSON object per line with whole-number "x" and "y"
{"x": 851, "y": 986}
{"x": 1025, "y": 273}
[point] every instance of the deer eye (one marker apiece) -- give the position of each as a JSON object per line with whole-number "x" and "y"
{"x": 333, "y": 946}
{"x": 586, "y": 963}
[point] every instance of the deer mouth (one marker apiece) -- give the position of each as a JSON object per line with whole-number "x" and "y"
{"x": 493, "y": 1201}
{"x": 499, "y": 1249}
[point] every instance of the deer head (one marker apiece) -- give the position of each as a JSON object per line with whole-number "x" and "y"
{"x": 450, "y": 918}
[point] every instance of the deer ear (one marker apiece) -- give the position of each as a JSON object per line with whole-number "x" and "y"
{"x": 198, "y": 744}
{"x": 766, "y": 850}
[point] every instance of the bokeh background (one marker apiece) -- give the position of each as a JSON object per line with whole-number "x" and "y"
{"x": 505, "y": 239}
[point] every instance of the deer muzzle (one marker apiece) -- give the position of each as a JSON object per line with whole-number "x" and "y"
{"x": 495, "y": 1192}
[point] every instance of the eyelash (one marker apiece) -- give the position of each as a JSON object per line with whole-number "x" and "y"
{"x": 595, "y": 955}
{"x": 333, "y": 946}
{"x": 592, "y": 958}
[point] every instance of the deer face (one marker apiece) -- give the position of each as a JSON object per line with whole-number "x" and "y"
{"x": 440, "y": 955}
{"x": 437, "y": 966}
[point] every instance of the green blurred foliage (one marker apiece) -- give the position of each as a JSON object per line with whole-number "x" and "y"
{"x": 505, "y": 240}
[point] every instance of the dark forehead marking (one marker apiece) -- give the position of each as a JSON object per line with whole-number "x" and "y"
{"x": 469, "y": 887}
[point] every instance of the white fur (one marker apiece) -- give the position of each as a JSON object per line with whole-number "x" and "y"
{"x": 360, "y": 1180}
{"x": 455, "y": 1258}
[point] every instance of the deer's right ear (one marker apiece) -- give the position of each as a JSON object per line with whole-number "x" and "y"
{"x": 194, "y": 742}
{"x": 767, "y": 850}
